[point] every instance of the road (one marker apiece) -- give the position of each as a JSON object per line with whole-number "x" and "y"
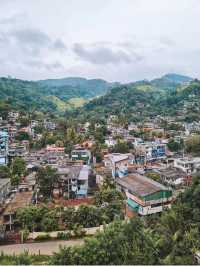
{"x": 44, "y": 248}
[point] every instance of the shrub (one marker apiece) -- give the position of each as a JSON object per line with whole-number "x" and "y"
{"x": 79, "y": 231}
{"x": 64, "y": 235}
{"x": 43, "y": 237}
{"x": 24, "y": 234}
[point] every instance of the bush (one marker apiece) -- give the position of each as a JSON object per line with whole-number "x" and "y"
{"x": 64, "y": 235}
{"x": 79, "y": 231}
{"x": 43, "y": 237}
{"x": 24, "y": 234}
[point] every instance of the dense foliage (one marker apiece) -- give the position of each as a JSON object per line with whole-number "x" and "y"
{"x": 171, "y": 239}
{"x": 48, "y": 95}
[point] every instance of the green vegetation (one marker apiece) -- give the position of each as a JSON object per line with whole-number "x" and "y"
{"x": 171, "y": 239}
{"x": 18, "y": 170}
{"x": 146, "y": 99}
{"x": 108, "y": 205}
{"x": 48, "y": 95}
{"x": 47, "y": 177}
{"x": 174, "y": 146}
{"x": 193, "y": 144}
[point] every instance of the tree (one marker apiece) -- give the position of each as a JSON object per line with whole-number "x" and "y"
{"x": 121, "y": 147}
{"x": 47, "y": 177}
{"x": 88, "y": 216}
{"x": 30, "y": 217}
{"x": 193, "y": 144}
{"x": 119, "y": 243}
{"x": 18, "y": 170}
{"x": 49, "y": 222}
{"x": 174, "y": 145}
{"x": 5, "y": 172}
{"x": 96, "y": 152}
{"x": 23, "y": 136}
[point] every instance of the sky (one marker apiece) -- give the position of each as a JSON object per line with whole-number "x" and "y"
{"x": 117, "y": 40}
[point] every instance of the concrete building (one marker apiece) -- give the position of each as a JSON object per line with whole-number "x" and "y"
{"x": 152, "y": 150}
{"x": 81, "y": 154}
{"x": 117, "y": 163}
{"x": 73, "y": 181}
{"x": 5, "y": 187}
{"x": 144, "y": 195}
{"x": 17, "y": 150}
{"x": 188, "y": 165}
{"x": 3, "y": 148}
{"x": 174, "y": 177}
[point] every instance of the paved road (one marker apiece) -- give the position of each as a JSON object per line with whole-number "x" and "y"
{"x": 44, "y": 248}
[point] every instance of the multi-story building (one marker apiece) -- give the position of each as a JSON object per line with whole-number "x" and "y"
{"x": 188, "y": 165}
{"x": 17, "y": 150}
{"x": 5, "y": 188}
{"x": 117, "y": 163}
{"x": 54, "y": 154}
{"x": 152, "y": 150}
{"x": 81, "y": 154}
{"x": 13, "y": 116}
{"x": 3, "y": 148}
{"x": 144, "y": 195}
{"x": 73, "y": 181}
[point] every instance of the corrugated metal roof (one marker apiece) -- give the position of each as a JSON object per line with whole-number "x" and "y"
{"x": 140, "y": 185}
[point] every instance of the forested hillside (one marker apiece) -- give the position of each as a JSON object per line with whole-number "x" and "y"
{"x": 143, "y": 99}
{"x": 50, "y": 95}
{"x": 65, "y": 95}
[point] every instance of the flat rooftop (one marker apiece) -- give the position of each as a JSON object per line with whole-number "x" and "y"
{"x": 172, "y": 172}
{"x": 140, "y": 185}
{"x": 116, "y": 157}
{"x": 189, "y": 160}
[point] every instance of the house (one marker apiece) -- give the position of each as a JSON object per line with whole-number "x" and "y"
{"x": 81, "y": 154}
{"x": 144, "y": 195}
{"x": 118, "y": 163}
{"x": 3, "y": 148}
{"x": 174, "y": 177}
{"x": 17, "y": 150}
{"x": 152, "y": 150}
{"x": 110, "y": 142}
{"x": 133, "y": 127}
{"x": 20, "y": 200}
{"x": 5, "y": 188}
{"x": 12, "y": 132}
{"x": 188, "y": 165}
{"x": 54, "y": 154}
{"x": 13, "y": 116}
{"x": 73, "y": 181}
{"x": 49, "y": 125}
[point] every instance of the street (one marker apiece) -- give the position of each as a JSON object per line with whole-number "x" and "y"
{"x": 44, "y": 248}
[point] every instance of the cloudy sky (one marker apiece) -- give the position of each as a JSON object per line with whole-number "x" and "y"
{"x": 118, "y": 40}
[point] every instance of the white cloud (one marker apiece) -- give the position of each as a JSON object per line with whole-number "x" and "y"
{"x": 112, "y": 39}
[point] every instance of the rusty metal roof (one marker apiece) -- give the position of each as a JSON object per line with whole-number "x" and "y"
{"x": 140, "y": 185}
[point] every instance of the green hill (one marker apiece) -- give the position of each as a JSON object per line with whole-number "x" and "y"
{"x": 50, "y": 95}
{"x": 143, "y": 99}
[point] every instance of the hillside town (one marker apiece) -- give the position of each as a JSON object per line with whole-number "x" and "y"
{"x": 148, "y": 165}
{"x": 99, "y": 132}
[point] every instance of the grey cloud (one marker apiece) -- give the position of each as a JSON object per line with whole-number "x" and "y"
{"x": 31, "y": 36}
{"x": 104, "y": 54}
{"x": 60, "y": 45}
{"x": 33, "y": 41}
{"x": 34, "y": 63}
